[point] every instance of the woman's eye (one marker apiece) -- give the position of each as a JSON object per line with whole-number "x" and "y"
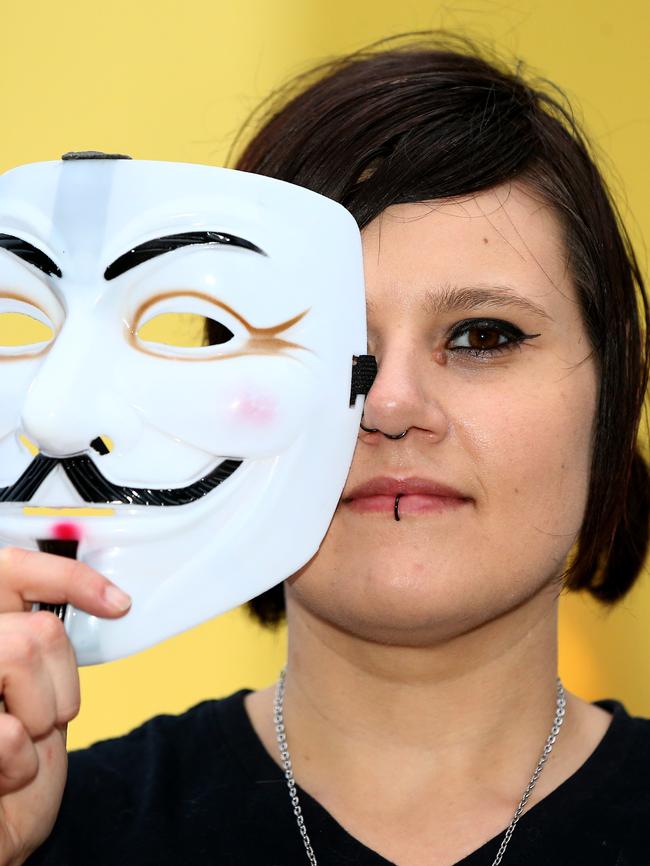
{"x": 483, "y": 338}
{"x": 184, "y": 330}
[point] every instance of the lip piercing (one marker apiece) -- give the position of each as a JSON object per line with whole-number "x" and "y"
{"x": 396, "y": 506}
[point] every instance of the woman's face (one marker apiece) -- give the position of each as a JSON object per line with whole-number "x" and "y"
{"x": 456, "y": 290}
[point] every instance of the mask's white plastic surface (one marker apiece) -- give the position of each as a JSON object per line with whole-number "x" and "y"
{"x": 275, "y": 396}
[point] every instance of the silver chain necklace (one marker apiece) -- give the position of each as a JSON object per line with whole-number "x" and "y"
{"x": 278, "y": 720}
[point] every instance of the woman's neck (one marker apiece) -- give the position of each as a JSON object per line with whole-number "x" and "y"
{"x": 457, "y": 709}
{"x": 423, "y": 750}
{"x": 489, "y": 691}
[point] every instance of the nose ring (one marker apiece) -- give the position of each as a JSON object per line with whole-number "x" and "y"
{"x": 369, "y": 429}
{"x": 387, "y": 435}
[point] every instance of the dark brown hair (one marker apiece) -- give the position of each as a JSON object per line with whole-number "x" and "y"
{"x": 431, "y": 116}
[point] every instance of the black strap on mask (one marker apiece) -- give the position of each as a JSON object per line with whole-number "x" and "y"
{"x": 364, "y": 372}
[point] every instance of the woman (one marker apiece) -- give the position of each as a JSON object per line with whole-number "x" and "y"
{"x": 496, "y": 464}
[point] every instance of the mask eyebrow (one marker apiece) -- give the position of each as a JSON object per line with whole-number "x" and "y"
{"x": 30, "y": 254}
{"x": 466, "y": 298}
{"x": 168, "y": 243}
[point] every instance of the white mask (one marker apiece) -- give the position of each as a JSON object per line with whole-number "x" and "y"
{"x": 252, "y": 434}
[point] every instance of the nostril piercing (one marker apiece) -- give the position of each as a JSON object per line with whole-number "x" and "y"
{"x": 396, "y": 435}
{"x": 367, "y": 429}
{"x": 377, "y": 430}
{"x": 102, "y": 444}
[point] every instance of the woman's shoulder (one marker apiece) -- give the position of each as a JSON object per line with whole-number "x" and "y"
{"x": 164, "y": 739}
{"x": 626, "y": 727}
{"x": 162, "y": 784}
{"x": 623, "y": 755}
{"x": 613, "y": 783}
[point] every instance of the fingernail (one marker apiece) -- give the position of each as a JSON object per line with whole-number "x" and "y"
{"x": 116, "y": 598}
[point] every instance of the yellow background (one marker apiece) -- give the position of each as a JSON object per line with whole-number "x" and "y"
{"x": 173, "y": 80}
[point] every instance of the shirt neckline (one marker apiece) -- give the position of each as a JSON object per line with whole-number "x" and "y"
{"x": 596, "y": 775}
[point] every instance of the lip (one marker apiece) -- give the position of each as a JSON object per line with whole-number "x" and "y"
{"x": 416, "y": 495}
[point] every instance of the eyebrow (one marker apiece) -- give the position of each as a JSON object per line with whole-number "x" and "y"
{"x": 455, "y": 298}
{"x": 169, "y": 243}
{"x": 30, "y": 254}
{"x": 450, "y": 298}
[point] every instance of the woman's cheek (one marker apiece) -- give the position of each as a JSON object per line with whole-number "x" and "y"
{"x": 537, "y": 458}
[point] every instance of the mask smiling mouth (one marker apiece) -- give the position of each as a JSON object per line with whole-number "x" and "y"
{"x": 93, "y": 487}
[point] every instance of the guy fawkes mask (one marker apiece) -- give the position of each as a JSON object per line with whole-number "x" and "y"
{"x": 176, "y": 346}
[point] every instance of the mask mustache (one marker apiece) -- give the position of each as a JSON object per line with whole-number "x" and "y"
{"x": 93, "y": 487}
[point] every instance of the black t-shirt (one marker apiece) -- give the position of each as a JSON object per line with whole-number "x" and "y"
{"x": 200, "y": 788}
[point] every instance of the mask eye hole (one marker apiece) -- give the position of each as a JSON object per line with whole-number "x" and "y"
{"x": 24, "y": 329}
{"x": 216, "y": 333}
{"x": 184, "y": 330}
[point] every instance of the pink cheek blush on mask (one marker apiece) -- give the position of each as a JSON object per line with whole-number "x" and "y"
{"x": 255, "y": 410}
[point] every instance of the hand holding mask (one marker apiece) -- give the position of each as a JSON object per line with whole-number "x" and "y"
{"x": 176, "y": 406}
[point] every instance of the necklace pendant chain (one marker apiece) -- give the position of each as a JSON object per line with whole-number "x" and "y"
{"x": 278, "y": 721}
{"x": 285, "y": 756}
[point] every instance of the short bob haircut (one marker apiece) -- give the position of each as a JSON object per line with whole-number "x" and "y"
{"x": 431, "y": 116}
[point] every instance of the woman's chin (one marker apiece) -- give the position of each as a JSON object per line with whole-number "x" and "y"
{"x": 409, "y": 603}
{"x": 390, "y": 608}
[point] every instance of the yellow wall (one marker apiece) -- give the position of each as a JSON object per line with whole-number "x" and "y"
{"x": 173, "y": 80}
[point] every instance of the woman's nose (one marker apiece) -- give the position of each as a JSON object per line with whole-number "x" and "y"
{"x": 71, "y": 401}
{"x": 404, "y": 396}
